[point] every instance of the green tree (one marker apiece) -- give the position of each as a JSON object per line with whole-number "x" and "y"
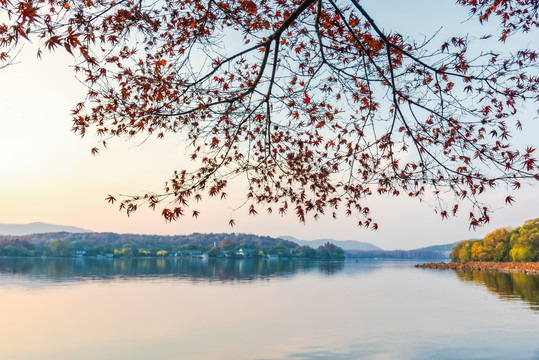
{"x": 214, "y": 252}
{"x": 335, "y": 252}
{"x": 525, "y": 242}
{"x": 304, "y": 252}
{"x": 496, "y": 245}
{"x": 465, "y": 253}
{"x": 280, "y": 250}
{"x": 322, "y": 253}
{"x": 455, "y": 252}
{"x": 10, "y": 250}
{"x": 60, "y": 248}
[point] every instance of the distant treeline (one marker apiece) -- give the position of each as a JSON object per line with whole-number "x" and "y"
{"x": 129, "y": 245}
{"x": 395, "y": 254}
{"x": 520, "y": 244}
{"x": 113, "y": 240}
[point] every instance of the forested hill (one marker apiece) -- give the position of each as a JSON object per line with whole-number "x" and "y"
{"x": 68, "y": 243}
{"x": 129, "y": 245}
{"x": 118, "y": 241}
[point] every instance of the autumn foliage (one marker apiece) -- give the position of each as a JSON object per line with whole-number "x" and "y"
{"x": 520, "y": 244}
{"x": 309, "y": 100}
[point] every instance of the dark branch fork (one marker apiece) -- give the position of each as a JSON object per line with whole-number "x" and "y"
{"x": 310, "y": 58}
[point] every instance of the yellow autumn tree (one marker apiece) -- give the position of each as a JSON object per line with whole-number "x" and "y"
{"x": 504, "y": 244}
{"x": 462, "y": 251}
{"x": 477, "y": 251}
{"x": 496, "y": 245}
{"x": 465, "y": 253}
{"x": 525, "y": 242}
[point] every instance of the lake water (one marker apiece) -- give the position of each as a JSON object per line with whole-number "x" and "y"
{"x": 195, "y": 309}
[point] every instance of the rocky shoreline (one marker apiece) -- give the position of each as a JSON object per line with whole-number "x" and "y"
{"x": 531, "y": 268}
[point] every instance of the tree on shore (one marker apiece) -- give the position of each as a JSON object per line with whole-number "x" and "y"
{"x": 520, "y": 244}
{"x": 462, "y": 252}
{"x": 310, "y": 100}
{"x": 495, "y": 246}
{"x": 525, "y": 242}
{"x": 329, "y": 251}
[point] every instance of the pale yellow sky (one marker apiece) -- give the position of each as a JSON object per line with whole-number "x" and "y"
{"x": 48, "y": 174}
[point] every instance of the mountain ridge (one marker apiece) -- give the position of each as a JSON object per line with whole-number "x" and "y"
{"x": 344, "y": 244}
{"x": 37, "y": 228}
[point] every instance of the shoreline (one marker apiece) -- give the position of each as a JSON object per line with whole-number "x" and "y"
{"x": 530, "y": 268}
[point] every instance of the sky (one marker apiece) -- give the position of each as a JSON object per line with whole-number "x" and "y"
{"x": 48, "y": 174}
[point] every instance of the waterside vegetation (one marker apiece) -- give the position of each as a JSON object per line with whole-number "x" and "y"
{"x": 502, "y": 245}
{"x": 64, "y": 244}
{"x": 506, "y": 250}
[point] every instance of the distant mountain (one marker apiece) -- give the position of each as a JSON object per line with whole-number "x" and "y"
{"x": 445, "y": 249}
{"x": 37, "y": 228}
{"x": 429, "y": 252}
{"x": 344, "y": 244}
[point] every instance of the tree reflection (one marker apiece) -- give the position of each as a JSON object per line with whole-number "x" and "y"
{"x": 330, "y": 267}
{"x": 507, "y": 286}
{"x": 83, "y": 269}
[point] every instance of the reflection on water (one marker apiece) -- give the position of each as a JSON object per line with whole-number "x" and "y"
{"x": 169, "y": 309}
{"x": 47, "y": 271}
{"x": 84, "y": 269}
{"x": 507, "y": 286}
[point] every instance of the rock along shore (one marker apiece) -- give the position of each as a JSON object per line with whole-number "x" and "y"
{"x": 531, "y": 268}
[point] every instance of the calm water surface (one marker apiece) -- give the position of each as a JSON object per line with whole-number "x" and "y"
{"x": 195, "y": 309}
